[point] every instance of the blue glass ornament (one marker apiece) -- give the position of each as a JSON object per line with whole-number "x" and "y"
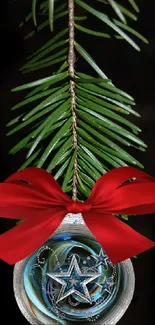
{"x": 70, "y": 280}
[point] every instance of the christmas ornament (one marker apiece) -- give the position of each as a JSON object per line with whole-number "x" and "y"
{"x": 77, "y": 271}
{"x": 70, "y": 279}
{"x": 65, "y": 272}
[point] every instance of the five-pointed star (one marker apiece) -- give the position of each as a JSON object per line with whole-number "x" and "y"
{"x": 74, "y": 281}
{"x": 102, "y": 259}
{"x": 107, "y": 285}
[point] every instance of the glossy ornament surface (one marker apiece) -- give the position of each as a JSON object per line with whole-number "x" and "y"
{"x": 70, "y": 280}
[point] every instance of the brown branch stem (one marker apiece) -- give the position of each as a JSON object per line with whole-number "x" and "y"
{"x": 71, "y": 70}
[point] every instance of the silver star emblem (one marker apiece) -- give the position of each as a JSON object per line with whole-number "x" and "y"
{"x": 74, "y": 281}
{"x": 107, "y": 285}
{"x": 102, "y": 259}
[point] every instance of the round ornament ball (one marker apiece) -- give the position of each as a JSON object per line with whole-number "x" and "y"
{"x": 70, "y": 280}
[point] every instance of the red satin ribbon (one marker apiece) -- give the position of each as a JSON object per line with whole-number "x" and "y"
{"x": 43, "y": 204}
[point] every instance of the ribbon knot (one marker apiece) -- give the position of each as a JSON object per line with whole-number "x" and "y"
{"x": 78, "y": 207}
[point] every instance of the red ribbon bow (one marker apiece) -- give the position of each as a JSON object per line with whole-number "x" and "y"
{"x": 34, "y": 195}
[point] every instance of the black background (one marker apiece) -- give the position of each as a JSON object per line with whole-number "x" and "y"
{"x": 130, "y": 70}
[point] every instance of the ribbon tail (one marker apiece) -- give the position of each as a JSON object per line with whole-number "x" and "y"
{"x": 119, "y": 241}
{"x": 25, "y": 238}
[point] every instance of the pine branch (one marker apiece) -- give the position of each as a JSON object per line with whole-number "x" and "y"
{"x": 77, "y": 126}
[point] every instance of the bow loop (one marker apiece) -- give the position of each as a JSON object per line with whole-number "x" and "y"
{"x": 78, "y": 207}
